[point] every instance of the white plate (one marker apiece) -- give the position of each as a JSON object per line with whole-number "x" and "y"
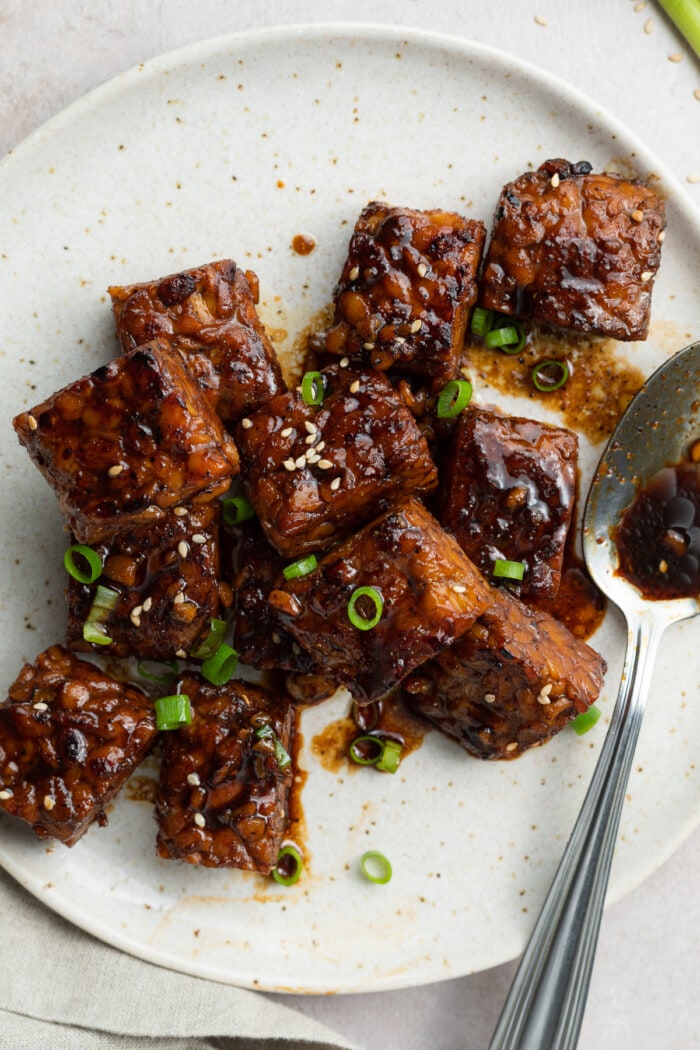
{"x": 231, "y": 147}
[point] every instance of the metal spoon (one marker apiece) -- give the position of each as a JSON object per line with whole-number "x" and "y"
{"x": 545, "y": 1005}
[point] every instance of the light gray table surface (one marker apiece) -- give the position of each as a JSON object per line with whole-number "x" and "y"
{"x": 623, "y": 53}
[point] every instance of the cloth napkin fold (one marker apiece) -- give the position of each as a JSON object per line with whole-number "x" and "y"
{"x": 63, "y": 989}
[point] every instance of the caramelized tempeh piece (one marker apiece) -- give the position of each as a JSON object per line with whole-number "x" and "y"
{"x": 431, "y": 593}
{"x": 209, "y": 314}
{"x": 167, "y": 579}
{"x": 404, "y": 295}
{"x": 315, "y": 474}
{"x": 576, "y": 250}
{"x": 124, "y": 444}
{"x": 509, "y": 683}
{"x": 222, "y": 799}
{"x": 70, "y": 736}
{"x": 507, "y": 492}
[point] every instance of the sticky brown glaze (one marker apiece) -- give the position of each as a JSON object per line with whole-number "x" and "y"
{"x": 217, "y": 770}
{"x": 509, "y": 683}
{"x": 124, "y": 444}
{"x": 316, "y": 474}
{"x": 658, "y": 539}
{"x": 575, "y": 249}
{"x": 209, "y": 314}
{"x": 507, "y": 492}
{"x": 431, "y": 593}
{"x": 406, "y": 289}
{"x": 260, "y": 639}
{"x": 70, "y": 736}
{"x": 166, "y": 576}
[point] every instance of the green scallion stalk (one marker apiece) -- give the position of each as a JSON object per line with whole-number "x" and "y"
{"x": 208, "y": 645}
{"x": 288, "y": 866}
{"x": 103, "y": 603}
{"x": 237, "y": 509}
{"x": 586, "y": 720}
{"x": 509, "y": 337}
{"x": 94, "y": 563}
{"x": 220, "y": 668}
{"x": 454, "y": 397}
{"x": 312, "y": 388}
{"x": 482, "y": 320}
{"x": 355, "y": 616}
{"x": 375, "y": 867}
{"x": 686, "y": 16}
{"x": 508, "y": 570}
{"x": 550, "y": 375}
{"x": 173, "y": 712}
{"x": 302, "y": 567}
{"x": 391, "y": 756}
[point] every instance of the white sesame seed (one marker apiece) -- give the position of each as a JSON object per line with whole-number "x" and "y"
{"x": 422, "y": 269}
{"x": 324, "y": 464}
{"x": 295, "y": 649}
{"x": 309, "y": 439}
{"x": 663, "y": 565}
{"x": 354, "y": 387}
{"x": 637, "y": 215}
{"x": 368, "y": 346}
{"x": 287, "y": 432}
{"x": 179, "y": 512}
{"x": 41, "y": 706}
{"x": 490, "y": 698}
{"x": 310, "y": 427}
{"x": 400, "y": 340}
{"x": 648, "y": 26}
{"x": 183, "y": 549}
{"x": 300, "y": 462}
{"x": 554, "y": 182}
{"x": 181, "y": 654}
{"x": 661, "y": 236}
{"x": 335, "y": 484}
{"x": 354, "y": 273}
{"x": 321, "y": 445}
{"x": 312, "y": 457}
{"x": 31, "y": 422}
{"x": 512, "y": 746}
{"x": 543, "y": 699}
{"x": 193, "y": 780}
{"x": 148, "y": 604}
{"x": 675, "y": 57}
{"x": 199, "y": 820}
{"x": 199, "y": 538}
{"x": 344, "y": 362}
{"x": 135, "y": 618}
{"x": 5, "y": 794}
{"x": 692, "y": 179}
{"x": 116, "y": 469}
{"x": 179, "y": 598}
{"x": 546, "y": 689}
{"x": 459, "y": 588}
{"x": 646, "y": 276}
{"x": 276, "y": 638}
{"x": 540, "y": 20}
{"x": 246, "y": 423}
{"x": 416, "y": 325}
{"x": 289, "y": 464}
{"x": 49, "y": 803}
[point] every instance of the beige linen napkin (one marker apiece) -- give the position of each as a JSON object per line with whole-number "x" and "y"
{"x": 62, "y": 989}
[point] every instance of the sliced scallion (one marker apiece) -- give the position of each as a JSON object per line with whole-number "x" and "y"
{"x": 356, "y": 618}
{"x": 103, "y": 603}
{"x": 390, "y": 757}
{"x": 237, "y": 509}
{"x": 454, "y": 397}
{"x": 550, "y": 375}
{"x": 509, "y": 570}
{"x": 312, "y": 388}
{"x": 266, "y": 732}
{"x": 508, "y": 337}
{"x": 174, "y": 711}
{"x": 375, "y": 867}
{"x": 366, "y": 750}
{"x": 288, "y": 866}
{"x": 302, "y": 567}
{"x": 208, "y": 645}
{"x": 482, "y": 320}
{"x": 220, "y": 667}
{"x": 94, "y": 563}
{"x": 586, "y": 720}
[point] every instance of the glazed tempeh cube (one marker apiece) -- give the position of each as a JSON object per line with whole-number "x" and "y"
{"x": 431, "y": 594}
{"x": 124, "y": 444}
{"x": 166, "y": 577}
{"x": 209, "y": 314}
{"x": 406, "y": 289}
{"x": 576, "y": 250}
{"x": 70, "y": 736}
{"x": 507, "y": 492}
{"x": 509, "y": 683}
{"x": 315, "y": 474}
{"x": 222, "y": 798}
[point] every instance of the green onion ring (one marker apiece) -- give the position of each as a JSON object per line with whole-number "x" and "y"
{"x": 482, "y": 320}
{"x": 375, "y": 867}
{"x": 357, "y": 755}
{"x": 508, "y": 570}
{"x": 454, "y": 397}
{"x": 237, "y": 509}
{"x": 91, "y": 557}
{"x": 312, "y": 388}
{"x": 509, "y": 337}
{"x": 302, "y": 567}
{"x": 556, "y": 384}
{"x": 586, "y": 720}
{"x": 174, "y": 711}
{"x": 278, "y": 874}
{"x": 162, "y": 679}
{"x": 220, "y": 667}
{"x": 390, "y": 758}
{"x": 208, "y": 645}
{"x": 355, "y": 617}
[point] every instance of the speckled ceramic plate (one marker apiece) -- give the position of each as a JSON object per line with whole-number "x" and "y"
{"x": 232, "y": 147}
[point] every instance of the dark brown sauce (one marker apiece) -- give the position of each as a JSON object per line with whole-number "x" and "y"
{"x": 296, "y": 831}
{"x": 389, "y": 717}
{"x": 303, "y": 244}
{"x": 579, "y": 605}
{"x": 658, "y": 539}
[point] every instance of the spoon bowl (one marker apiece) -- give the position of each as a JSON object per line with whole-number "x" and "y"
{"x": 545, "y": 1006}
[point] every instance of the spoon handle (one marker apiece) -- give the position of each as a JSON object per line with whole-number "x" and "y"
{"x": 545, "y": 1005}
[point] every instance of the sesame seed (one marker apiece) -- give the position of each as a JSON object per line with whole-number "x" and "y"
{"x": 344, "y": 362}
{"x": 287, "y": 432}
{"x": 310, "y": 427}
{"x": 663, "y": 565}
{"x": 416, "y": 325}
{"x": 692, "y": 179}
{"x": 696, "y": 94}
{"x": 137, "y": 610}
{"x": 295, "y": 649}
{"x": 147, "y": 604}
{"x": 246, "y": 423}
{"x": 646, "y": 276}
{"x": 49, "y": 803}
{"x": 641, "y": 5}
{"x": 193, "y": 780}
{"x": 555, "y": 180}
{"x": 540, "y": 20}
{"x": 321, "y": 445}
{"x": 289, "y": 464}
{"x": 199, "y": 820}
{"x": 546, "y": 689}
{"x": 422, "y": 269}
{"x": 637, "y": 216}
{"x": 368, "y": 346}
{"x": 354, "y": 273}
{"x": 5, "y": 794}
{"x": 183, "y": 549}
{"x": 335, "y": 484}
{"x": 312, "y": 457}
{"x": 300, "y": 462}
{"x": 661, "y": 236}
{"x": 179, "y": 512}
{"x": 543, "y": 699}
{"x": 324, "y": 464}
{"x": 512, "y": 746}
{"x": 400, "y": 340}
{"x": 276, "y": 638}
{"x": 648, "y": 26}
{"x": 116, "y": 469}
{"x": 459, "y": 588}
{"x": 41, "y": 706}
{"x": 179, "y": 598}
{"x": 135, "y": 618}
{"x": 675, "y": 57}
{"x": 490, "y": 698}
{"x": 354, "y": 387}
{"x": 309, "y": 439}
{"x": 181, "y": 654}
{"x": 199, "y": 538}
{"x": 31, "y": 422}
